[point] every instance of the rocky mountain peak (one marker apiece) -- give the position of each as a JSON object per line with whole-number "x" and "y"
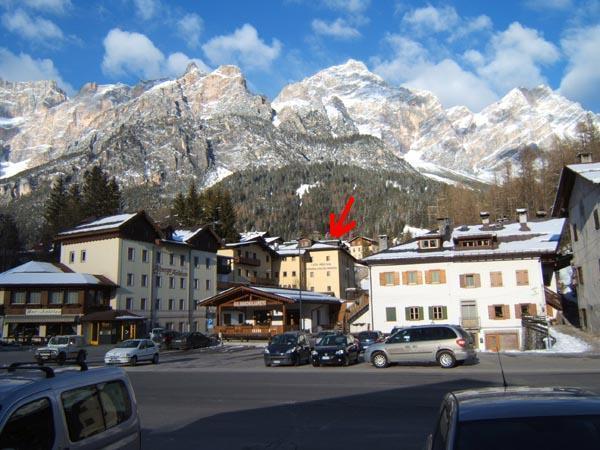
{"x": 24, "y": 98}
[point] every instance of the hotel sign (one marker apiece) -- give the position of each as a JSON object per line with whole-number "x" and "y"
{"x": 250, "y": 303}
{"x": 43, "y": 312}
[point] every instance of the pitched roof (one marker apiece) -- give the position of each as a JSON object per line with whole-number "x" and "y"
{"x": 36, "y": 273}
{"x": 103, "y": 224}
{"x": 275, "y": 293}
{"x": 541, "y": 237}
{"x": 589, "y": 172}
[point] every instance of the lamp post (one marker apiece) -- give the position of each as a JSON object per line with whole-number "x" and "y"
{"x": 301, "y": 321}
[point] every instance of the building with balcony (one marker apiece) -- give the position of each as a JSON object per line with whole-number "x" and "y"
{"x": 361, "y": 247}
{"x": 484, "y": 277}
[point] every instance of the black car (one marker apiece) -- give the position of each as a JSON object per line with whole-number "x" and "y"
{"x": 292, "y": 348}
{"x": 341, "y": 349}
{"x": 366, "y": 338}
{"x": 195, "y": 339}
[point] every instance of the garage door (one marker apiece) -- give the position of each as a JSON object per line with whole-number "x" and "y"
{"x": 501, "y": 341}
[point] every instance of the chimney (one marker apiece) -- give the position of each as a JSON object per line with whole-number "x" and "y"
{"x": 540, "y": 214}
{"x": 522, "y": 213}
{"x": 584, "y": 157}
{"x": 383, "y": 242}
{"x": 443, "y": 226}
{"x": 485, "y": 219}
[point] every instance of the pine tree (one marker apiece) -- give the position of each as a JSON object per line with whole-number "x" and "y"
{"x": 10, "y": 243}
{"x": 100, "y": 197}
{"x": 56, "y": 215}
{"x": 178, "y": 211}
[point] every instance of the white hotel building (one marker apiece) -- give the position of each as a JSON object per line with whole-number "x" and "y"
{"x": 483, "y": 277}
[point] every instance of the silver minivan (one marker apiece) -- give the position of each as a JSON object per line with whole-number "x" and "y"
{"x": 41, "y": 408}
{"x": 445, "y": 344}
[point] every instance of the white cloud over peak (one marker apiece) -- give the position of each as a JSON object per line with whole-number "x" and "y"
{"x": 431, "y": 18}
{"x": 146, "y": 9}
{"x": 190, "y": 28}
{"x": 244, "y": 48}
{"x": 582, "y": 77}
{"x": 133, "y": 54}
{"x": 337, "y": 29}
{"x": 52, "y": 6}
{"x": 32, "y": 28}
{"x": 23, "y": 67}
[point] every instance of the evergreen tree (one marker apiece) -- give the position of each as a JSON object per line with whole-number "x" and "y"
{"x": 10, "y": 243}
{"x": 100, "y": 197}
{"x": 178, "y": 211}
{"x": 56, "y": 212}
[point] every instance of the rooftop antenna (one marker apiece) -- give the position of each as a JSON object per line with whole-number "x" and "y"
{"x": 504, "y": 383}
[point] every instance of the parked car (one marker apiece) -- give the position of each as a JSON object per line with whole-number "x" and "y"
{"x": 156, "y": 334}
{"x": 316, "y": 338}
{"x": 62, "y": 349}
{"x": 341, "y": 349}
{"x": 195, "y": 339}
{"x": 446, "y": 344}
{"x": 133, "y": 351}
{"x": 517, "y": 418}
{"x": 47, "y": 409}
{"x": 292, "y": 348}
{"x": 366, "y": 338}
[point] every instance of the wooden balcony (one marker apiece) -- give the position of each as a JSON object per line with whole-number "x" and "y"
{"x": 246, "y": 261}
{"x": 248, "y": 332}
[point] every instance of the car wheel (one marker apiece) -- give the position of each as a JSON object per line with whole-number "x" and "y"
{"x": 133, "y": 360}
{"x": 446, "y": 360}
{"x": 155, "y": 359}
{"x": 379, "y": 360}
{"x": 346, "y": 361}
{"x": 80, "y": 357}
{"x": 315, "y": 363}
{"x": 267, "y": 364}
{"x": 61, "y": 358}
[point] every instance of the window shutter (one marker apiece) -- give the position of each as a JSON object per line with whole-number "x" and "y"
{"x": 463, "y": 281}
{"x": 421, "y": 316}
{"x": 442, "y": 276}
{"x": 407, "y": 313}
{"x": 419, "y": 277}
{"x": 404, "y": 277}
{"x": 444, "y": 312}
{"x": 382, "y": 279}
{"x": 505, "y": 312}
{"x": 477, "y": 280}
{"x": 428, "y": 277}
{"x": 396, "y": 278}
{"x": 491, "y": 312}
{"x": 430, "y": 310}
{"x": 533, "y": 309}
{"x": 518, "y": 311}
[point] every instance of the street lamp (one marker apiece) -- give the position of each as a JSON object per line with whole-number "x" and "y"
{"x": 299, "y": 265}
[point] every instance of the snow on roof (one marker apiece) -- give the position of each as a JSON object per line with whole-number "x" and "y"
{"x": 106, "y": 223}
{"x": 542, "y": 237}
{"x": 44, "y": 279}
{"x": 251, "y": 235}
{"x": 269, "y": 240}
{"x": 589, "y": 171}
{"x": 35, "y": 267}
{"x": 294, "y": 294}
{"x": 182, "y": 235}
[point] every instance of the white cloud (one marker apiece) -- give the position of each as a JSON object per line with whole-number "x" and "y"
{"x": 474, "y": 58}
{"x": 133, "y": 54}
{"x": 516, "y": 57}
{"x": 556, "y": 5}
{"x": 190, "y": 28}
{"x": 52, "y": 6}
{"x": 23, "y": 67}
{"x": 32, "y": 28}
{"x": 582, "y": 76}
{"x": 349, "y": 6}
{"x": 338, "y": 29}
{"x": 146, "y": 9}
{"x": 475, "y": 25}
{"x": 431, "y": 18}
{"x": 243, "y": 47}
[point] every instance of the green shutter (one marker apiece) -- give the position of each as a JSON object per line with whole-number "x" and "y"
{"x": 421, "y": 317}
{"x": 407, "y": 313}
{"x": 430, "y": 312}
{"x": 444, "y": 312}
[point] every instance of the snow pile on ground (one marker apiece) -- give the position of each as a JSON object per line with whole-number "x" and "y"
{"x": 567, "y": 344}
{"x": 304, "y": 188}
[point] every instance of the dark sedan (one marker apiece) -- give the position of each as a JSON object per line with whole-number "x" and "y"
{"x": 186, "y": 341}
{"x": 292, "y": 348}
{"x": 340, "y": 349}
{"x": 366, "y": 338}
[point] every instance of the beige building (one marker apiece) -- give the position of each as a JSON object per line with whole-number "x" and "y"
{"x": 160, "y": 275}
{"x": 361, "y": 247}
{"x": 252, "y": 261}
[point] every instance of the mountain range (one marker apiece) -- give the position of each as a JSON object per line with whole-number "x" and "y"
{"x": 205, "y": 126}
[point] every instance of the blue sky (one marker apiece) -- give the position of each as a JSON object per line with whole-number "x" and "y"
{"x": 465, "y": 52}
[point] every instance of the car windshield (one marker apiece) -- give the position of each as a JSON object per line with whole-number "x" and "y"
{"x": 333, "y": 339}
{"x": 128, "y": 344}
{"x": 59, "y": 340}
{"x": 367, "y": 335}
{"x": 525, "y": 433}
{"x": 284, "y": 339}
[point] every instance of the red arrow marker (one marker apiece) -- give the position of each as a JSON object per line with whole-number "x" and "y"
{"x": 337, "y": 228}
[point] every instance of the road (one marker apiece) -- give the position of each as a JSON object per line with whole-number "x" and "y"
{"x": 226, "y": 399}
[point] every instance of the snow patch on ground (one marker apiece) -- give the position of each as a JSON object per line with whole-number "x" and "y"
{"x": 304, "y": 188}
{"x": 217, "y": 175}
{"x": 8, "y": 169}
{"x": 567, "y": 344}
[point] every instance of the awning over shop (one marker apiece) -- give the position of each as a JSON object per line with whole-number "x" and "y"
{"x": 111, "y": 315}
{"x": 272, "y": 295}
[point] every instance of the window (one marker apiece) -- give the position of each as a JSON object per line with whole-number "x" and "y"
{"x": 144, "y": 280}
{"x": 207, "y": 285}
{"x": 145, "y": 255}
{"x": 285, "y": 274}
{"x": 579, "y": 274}
{"x": 389, "y": 279}
{"x": 157, "y": 257}
{"x": 182, "y": 283}
{"x": 195, "y": 326}
{"x": 413, "y": 313}
{"x": 196, "y": 261}
{"x": 390, "y": 314}
{"x": 143, "y": 304}
{"x": 158, "y": 281}
{"x": 328, "y": 273}
{"x": 596, "y": 220}
{"x": 196, "y": 283}
{"x": 157, "y": 304}
{"x": 207, "y": 263}
{"x": 327, "y": 258}
{"x": 18, "y": 297}
{"x": 182, "y": 260}
{"x": 73, "y": 297}
{"x": 498, "y": 312}
{"x": 525, "y": 309}
{"x": 30, "y": 426}
{"x": 35, "y": 298}
{"x": 171, "y": 259}
{"x": 55, "y": 297}
{"x": 412, "y": 277}
{"x": 128, "y": 303}
{"x": 172, "y": 282}
{"x": 129, "y": 279}
{"x": 470, "y": 280}
{"x": 130, "y": 254}
{"x": 93, "y": 409}
{"x": 171, "y": 304}
{"x": 438, "y": 313}
{"x": 294, "y": 273}
{"x": 522, "y": 277}
{"x": 181, "y": 304}
{"x": 429, "y": 243}
{"x": 496, "y": 279}
{"x": 267, "y": 258}
{"x": 311, "y": 274}
{"x": 247, "y": 254}
{"x": 435, "y": 276}
{"x": 82, "y": 255}
{"x": 328, "y": 288}
{"x": 239, "y": 272}
{"x": 71, "y": 257}
{"x": 169, "y": 325}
